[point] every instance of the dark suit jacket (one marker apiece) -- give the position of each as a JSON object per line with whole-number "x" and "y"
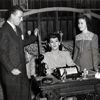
{"x": 12, "y": 49}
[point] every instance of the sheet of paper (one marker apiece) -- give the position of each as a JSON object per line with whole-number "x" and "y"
{"x": 69, "y": 71}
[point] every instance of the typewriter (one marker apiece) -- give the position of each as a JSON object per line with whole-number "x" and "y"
{"x": 67, "y": 71}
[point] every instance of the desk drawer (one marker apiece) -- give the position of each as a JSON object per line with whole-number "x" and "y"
{"x": 77, "y": 90}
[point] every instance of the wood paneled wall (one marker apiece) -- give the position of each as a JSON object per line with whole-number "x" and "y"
{"x": 53, "y": 21}
{"x": 50, "y": 22}
{"x": 36, "y": 4}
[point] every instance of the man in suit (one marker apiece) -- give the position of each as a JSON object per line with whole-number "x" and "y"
{"x": 12, "y": 56}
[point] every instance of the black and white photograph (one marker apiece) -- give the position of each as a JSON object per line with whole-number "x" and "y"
{"x": 49, "y": 50}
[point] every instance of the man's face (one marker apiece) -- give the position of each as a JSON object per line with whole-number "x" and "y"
{"x": 17, "y": 17}
{"x": 54, "y": 43}
{"x": 82, "y": 24}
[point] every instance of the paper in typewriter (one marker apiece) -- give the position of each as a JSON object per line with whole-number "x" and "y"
{"x": 69, "y": 71}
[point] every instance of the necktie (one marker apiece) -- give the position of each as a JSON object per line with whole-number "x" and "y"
{"x": 15, "y": 30}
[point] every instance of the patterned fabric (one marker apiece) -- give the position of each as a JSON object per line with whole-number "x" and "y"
{"x": 87, "y": 36}
{"x": 32, "y": 49}
{"x": 68, "y": 46}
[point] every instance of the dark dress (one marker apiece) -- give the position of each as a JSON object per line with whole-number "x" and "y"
{"x": 86, "y": 51}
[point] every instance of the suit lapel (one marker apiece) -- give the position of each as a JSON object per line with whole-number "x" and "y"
{"x": 15, "y": 37}
{"x": 12, "y": 33}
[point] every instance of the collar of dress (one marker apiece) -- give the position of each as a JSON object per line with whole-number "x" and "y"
{"x": 87, "y": 36}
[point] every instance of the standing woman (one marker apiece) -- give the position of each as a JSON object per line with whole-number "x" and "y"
{"x": 86, "y": 45}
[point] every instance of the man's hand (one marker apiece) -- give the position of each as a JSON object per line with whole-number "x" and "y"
{"x": 15, "y": 71}
{"x": 36, "y": 31}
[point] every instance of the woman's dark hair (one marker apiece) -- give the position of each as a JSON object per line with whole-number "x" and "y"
{"x": 12, "y": 10}
{"x": 53, "y": 35}
{"x": 88, "y": 20}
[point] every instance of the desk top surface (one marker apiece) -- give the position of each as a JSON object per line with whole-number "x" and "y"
{"x": 69, "y": 82}
{"x": 70, "y": 86}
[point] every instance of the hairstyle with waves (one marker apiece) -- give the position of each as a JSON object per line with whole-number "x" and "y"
{"x": 87, "y": 19}
{"x": 12, "y": 10}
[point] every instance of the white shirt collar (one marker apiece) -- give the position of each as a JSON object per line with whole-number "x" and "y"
{"x": 13, "y": 26}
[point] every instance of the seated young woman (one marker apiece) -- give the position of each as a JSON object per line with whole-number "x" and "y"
{"x": 56, "y": 58}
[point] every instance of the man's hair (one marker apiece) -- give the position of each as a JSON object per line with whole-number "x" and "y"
{"x": 53, "y": 35}
{"x": 12, "y": 10}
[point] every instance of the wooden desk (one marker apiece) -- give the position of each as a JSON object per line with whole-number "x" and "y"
{"x": 69, "y": 88}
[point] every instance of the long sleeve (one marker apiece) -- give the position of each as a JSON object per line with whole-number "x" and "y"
{"x": 75, "y": 52}
{"x": 4, "y": 57}
{"x": 69, "y": 60}
{"x": 94, "y": 47}
{"x": 29, "y": 40}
